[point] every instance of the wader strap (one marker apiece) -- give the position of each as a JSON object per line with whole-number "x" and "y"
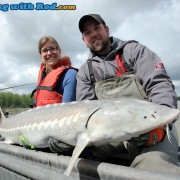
{"x": 126, "y": 65}
{"x": 91, "y": 73}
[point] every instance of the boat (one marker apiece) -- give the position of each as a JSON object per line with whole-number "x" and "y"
{"x": 19, "y": 163}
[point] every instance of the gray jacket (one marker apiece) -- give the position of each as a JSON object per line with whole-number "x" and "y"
{"x": 147, "y": 66}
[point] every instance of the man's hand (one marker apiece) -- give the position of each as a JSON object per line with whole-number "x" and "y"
{"x": 57, "y": 146}
{"x": 141, "y": 140}
{"x": 99, "y": 153}
{"x": 148, "y": 139}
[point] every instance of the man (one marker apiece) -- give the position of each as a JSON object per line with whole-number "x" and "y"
{"x": 110, "y": 57}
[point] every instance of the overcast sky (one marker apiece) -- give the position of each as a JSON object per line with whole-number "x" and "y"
{"x": 154, "y": 23}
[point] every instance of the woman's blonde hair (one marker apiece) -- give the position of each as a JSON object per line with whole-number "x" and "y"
{"x": 42, "y": 42}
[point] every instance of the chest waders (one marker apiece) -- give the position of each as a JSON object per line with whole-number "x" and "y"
{"x": 126, "y": 85}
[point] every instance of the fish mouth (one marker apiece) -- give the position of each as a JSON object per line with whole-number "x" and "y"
{"x": 154, "y": 114}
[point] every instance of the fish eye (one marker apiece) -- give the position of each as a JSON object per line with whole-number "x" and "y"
{"x": 145, "y": 117}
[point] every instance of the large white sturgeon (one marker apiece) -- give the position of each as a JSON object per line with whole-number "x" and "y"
{"x": 96, "y": 122}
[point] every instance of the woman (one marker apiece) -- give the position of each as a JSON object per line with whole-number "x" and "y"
{"x": 57, "y": 78}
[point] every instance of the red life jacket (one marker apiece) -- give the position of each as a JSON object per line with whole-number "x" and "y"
{"x": 121, "y": 70}
{"x": 45, "y": 93}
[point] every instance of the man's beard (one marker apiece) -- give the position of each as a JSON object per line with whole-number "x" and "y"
{"x": 101, "y": 47}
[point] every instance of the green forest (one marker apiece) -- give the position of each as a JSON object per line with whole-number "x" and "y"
{"x": 12, "y": 100}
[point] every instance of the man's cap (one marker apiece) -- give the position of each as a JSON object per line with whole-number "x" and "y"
{"x": 97, "y": 17}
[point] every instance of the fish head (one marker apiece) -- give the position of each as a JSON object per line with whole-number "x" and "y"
{"x": 122, "y": 122}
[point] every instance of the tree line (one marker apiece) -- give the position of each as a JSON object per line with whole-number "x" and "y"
{"x": 13, "y": 100}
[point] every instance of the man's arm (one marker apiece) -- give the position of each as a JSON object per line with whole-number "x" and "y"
{"x": 152, "y": 74}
